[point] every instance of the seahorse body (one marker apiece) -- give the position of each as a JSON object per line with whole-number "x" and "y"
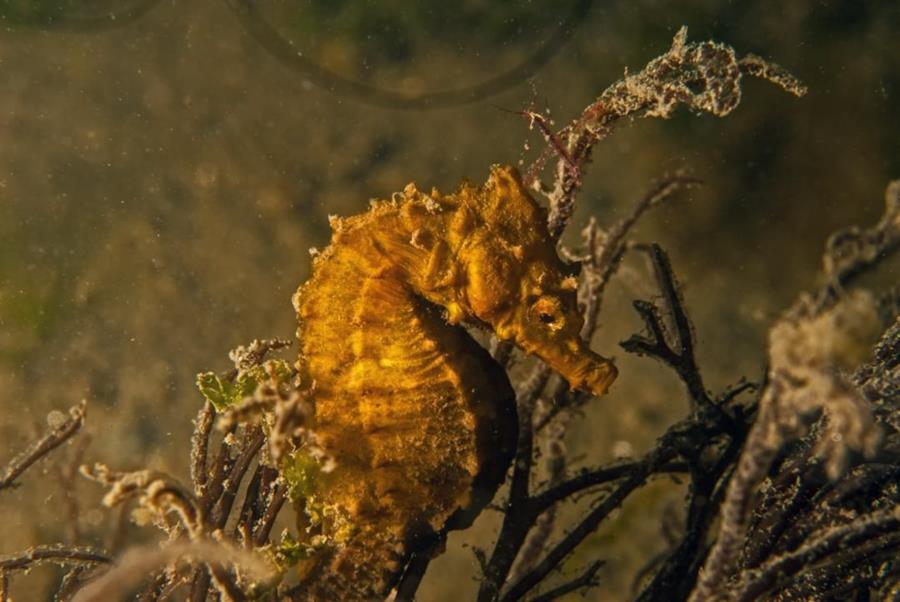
{"x": 419, "y": 418}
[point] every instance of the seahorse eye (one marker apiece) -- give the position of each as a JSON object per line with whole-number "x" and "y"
{"x": 548, "y": 312}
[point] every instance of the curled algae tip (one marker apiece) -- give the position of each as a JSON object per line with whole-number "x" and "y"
{"x": 418, "y": 417}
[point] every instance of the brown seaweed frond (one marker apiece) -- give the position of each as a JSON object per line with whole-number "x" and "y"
{"x": 704, "y": 77}
{"x": 783, "y": 541}
{"x": 157, "y": 494}
{"x": 810, "y": 536}
{"x": 812, "y": 352}
{"x": 232, "y": 503}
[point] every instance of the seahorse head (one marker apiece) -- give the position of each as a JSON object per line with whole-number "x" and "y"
{"x": 516, "y": 284}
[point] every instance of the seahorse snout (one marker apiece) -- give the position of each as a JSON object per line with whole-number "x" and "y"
{"x": 581, "y": 367}
{"x": 595, "y": 375}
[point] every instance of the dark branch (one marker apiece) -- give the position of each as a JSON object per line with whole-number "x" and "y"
{"x": 660, "y": 456}
{"x": 587, "y": 479}
{"x": 200, "y": 446}
{"x": 677, "y": 353}
{"x": 253, "y": 441}
{"x": 264, "y": 528}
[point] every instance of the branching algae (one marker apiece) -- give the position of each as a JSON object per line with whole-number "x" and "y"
{"x": 419, "y": 418}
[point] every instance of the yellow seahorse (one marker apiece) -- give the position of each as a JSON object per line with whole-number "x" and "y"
{"x": 419, "y": 418}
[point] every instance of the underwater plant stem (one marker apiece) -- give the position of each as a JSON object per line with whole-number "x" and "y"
{"x": 542, "y": 501}
{"x": 40, "y": 448}
{"x": 584, "y": 528}
{"x": 253, "y": 441}
{"x": 52, "y": 553}
{"x": 261, "y": 535}
{"x": 678, "y": 353}
{"x": 200, "y": 446}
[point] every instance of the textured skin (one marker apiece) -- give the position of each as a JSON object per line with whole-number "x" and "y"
{"x": 419, "y": 418}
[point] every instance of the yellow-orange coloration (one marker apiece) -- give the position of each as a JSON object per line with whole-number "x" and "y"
{"x": 419, "y": 418}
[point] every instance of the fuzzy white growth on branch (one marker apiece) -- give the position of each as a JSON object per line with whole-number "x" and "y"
{"x": 704, "y": 77}
{"x": 809, "y": 356}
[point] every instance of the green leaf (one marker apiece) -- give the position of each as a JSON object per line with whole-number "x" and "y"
{"x": 302, "y": 473}
{"x": 290, "y": 551}
{"x": 223, "y": 394}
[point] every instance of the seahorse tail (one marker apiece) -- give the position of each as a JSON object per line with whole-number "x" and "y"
{"x": 361, "y": 569}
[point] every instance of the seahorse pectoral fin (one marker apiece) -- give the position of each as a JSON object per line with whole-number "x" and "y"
{"x": 438, "y": 268}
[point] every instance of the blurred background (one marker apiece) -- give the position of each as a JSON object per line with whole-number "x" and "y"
{"x": 165, "y": 167}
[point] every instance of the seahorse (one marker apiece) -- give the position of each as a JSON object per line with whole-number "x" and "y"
{"x": 420, "y": 420}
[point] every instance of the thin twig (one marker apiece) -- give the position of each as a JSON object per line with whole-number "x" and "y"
{"x": 677, "y": 353}
{"x": 852, "y": 252}
{"x": 55, "y": 553}
{"x": 605, "y": 258}
{"x": 593, "y": 478}
{"x": 69, "y": 488}
{"x": 253, "y": 441}
{"x": 53, "y": 439}
{"x": 264, "y": 527}
{"x": 200, "y": 446}
{"x": 704, "y": 77}
{"x": 552, "y": 448}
